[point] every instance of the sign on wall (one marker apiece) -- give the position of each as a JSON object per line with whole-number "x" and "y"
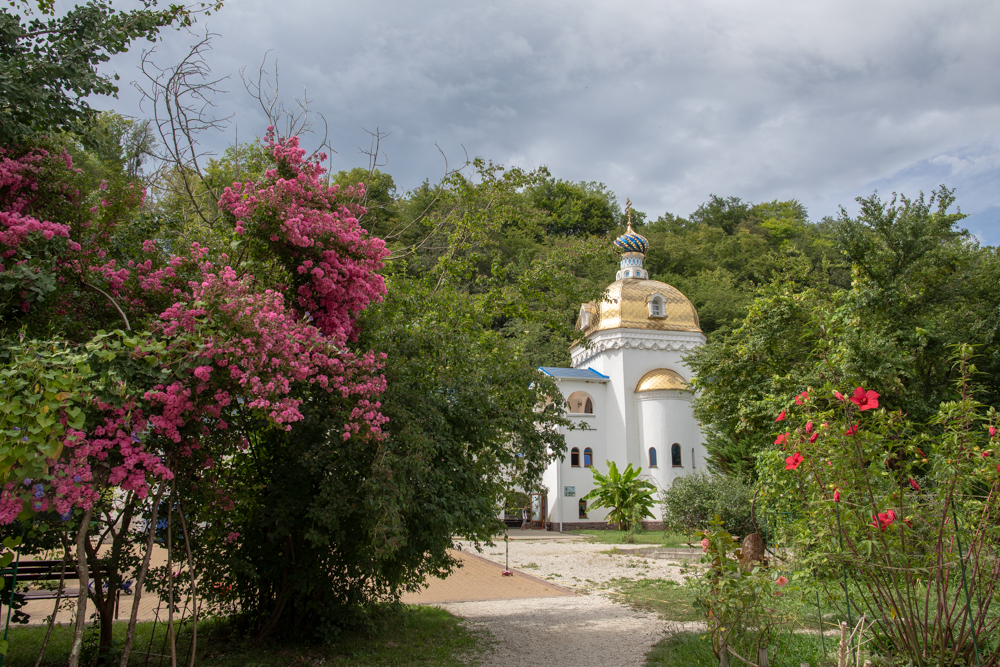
{"x": 569, "y": 491}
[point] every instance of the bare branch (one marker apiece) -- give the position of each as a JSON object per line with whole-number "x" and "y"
{"x": 295, "y": 120}
{"x": 181, "y": 101}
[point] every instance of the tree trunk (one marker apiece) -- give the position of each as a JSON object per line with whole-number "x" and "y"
{"x": 81, "y": 600}
{"x": 140, "y": 580}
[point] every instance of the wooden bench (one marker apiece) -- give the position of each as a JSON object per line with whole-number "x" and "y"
{"x": 49, "y": 570}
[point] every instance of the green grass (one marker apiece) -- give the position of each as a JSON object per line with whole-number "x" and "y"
{"x": 688, "y": 649}
{"x": 672, "y": 601}
{"x": 416, "y": 636}
{"x": 657, "y": 537}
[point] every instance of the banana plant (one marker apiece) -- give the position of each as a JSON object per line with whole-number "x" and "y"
{"x": 623, "y": 493}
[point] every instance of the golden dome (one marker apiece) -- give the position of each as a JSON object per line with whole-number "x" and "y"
{"x": 639, "y": 304}
{"x": 661, "y": 378}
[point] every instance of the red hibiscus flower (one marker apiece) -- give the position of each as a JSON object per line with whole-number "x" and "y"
{"x": 781, "y": 417}
{"x": 883, "y": 519}
{"x": 813, "y": 437}
{"x": 865, "y": 400}
{"x": 801, "y": 398}
{"x": 793, "y": 461}
{"x": 913, "y": 483}
{"x": 993, "y": 432}
{"x": 781, "y": 581}
{"x": 780, "y": 440}
{"x": 852, "y": 430}
{"x": 985, "y": 454}
{"x": 836, "y": 496}
{"x": 838, "y": 395}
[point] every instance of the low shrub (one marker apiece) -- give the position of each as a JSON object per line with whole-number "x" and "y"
{"x": 693, "y": 500}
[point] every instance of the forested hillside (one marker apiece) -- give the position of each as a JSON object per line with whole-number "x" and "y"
{"x": 787, "y": 302}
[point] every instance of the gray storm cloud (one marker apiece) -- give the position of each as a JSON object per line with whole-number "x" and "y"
{"x": 664, "y": 102}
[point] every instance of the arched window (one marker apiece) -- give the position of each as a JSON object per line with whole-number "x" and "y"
{"x": 588, "y": 458}
{"x": 657, "y": 306}
{"x": 574, "y": 457}
{"x": 627, "y": 274}
{"x": 583, "y": 509}
{"x": 652, "y": 457}
{"x": 580, "y": 403}
{"x": 675, "y": 455}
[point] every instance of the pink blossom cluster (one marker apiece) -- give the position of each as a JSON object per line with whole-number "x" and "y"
{"x": 333, "y": 260}
{"x": 252, "y": 344}
{"x": 19, "y": 189}
{"x": 228, "y": 339}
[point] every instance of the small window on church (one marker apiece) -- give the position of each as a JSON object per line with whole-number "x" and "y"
{"x": 657, "y": 307}
{"x": 627, "y": 274}
{"x": 652, "y": 457}
{"x": 580, "y": 402}
{"x": 574, "y": 457}
{"x": 583, "y": 509}
{"x": 588, "y": 458}
{"x": 675, "y": 455}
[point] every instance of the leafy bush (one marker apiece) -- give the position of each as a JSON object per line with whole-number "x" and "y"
{"x": 899, "y": 516}
{"x": 740, "y": 603}
{"x": 693, "y": 500}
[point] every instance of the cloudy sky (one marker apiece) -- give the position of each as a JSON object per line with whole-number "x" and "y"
{"x": 665, "y": 102}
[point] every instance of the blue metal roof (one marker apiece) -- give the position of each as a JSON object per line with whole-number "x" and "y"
{"x": 574, "y": 373}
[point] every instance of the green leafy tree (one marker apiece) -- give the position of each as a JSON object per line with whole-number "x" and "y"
{"x": 49, "y": 65}
{"x": 575, "y": 209}
{"x": 627, "y": 496}
{"x": 920, "y": 285}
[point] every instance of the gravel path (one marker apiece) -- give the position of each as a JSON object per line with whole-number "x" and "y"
{"x": 581, "y": 564}
{"x": 586, "y": 630}
{"x": 582, "y": 631}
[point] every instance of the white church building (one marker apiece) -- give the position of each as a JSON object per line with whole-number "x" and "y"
{"x": 627, "y": 393}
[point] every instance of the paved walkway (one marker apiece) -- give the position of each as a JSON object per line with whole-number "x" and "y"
{"x": 150, "y": 607}
{"x": 582, "y": 631}
{"x": 481, "y": 579}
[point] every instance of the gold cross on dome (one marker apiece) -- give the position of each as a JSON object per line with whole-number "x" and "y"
{"x": 628, "y": 211}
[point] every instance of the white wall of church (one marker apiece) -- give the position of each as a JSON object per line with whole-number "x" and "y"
{"x": 666, "y": 419}
{"x": 625, "y": 424}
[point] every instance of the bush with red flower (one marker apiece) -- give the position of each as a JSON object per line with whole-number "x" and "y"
{"x": 889, "y": 514}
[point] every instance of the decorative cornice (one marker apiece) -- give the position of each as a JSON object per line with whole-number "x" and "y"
{"x": 635, "y": 339}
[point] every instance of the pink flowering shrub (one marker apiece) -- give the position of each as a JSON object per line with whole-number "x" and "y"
{"x": 313, "y": 228}
{"x": 214, "y": 340}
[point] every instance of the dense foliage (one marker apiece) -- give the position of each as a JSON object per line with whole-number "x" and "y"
{"x": 49, "y": 66}
{"x": 896, "y": 520}
{"x": 919, "y": 285}
{"x": 694, "y": 500}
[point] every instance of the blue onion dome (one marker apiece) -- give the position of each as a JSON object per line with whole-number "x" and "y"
{"x": 631, "y": 241}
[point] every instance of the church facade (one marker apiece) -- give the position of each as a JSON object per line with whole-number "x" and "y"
{"x": 627, "y": 391}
